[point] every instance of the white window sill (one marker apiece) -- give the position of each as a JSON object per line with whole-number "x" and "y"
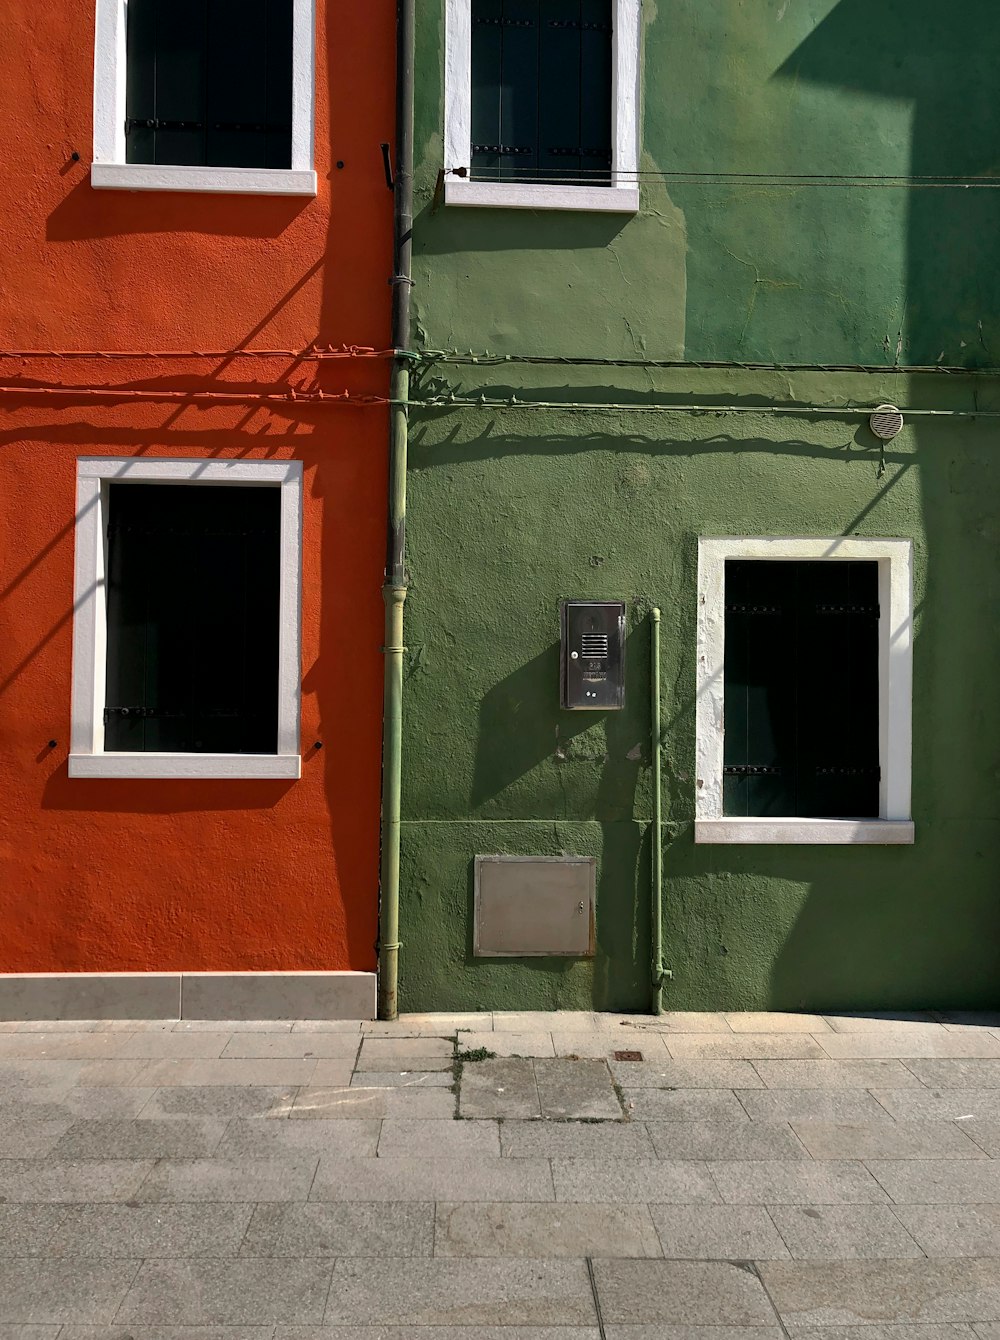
{"x": 519, "y": 195}
{"x": 231, "y": 180}
{"x": 263, "y": 766}
{"x": 805, "y": 832}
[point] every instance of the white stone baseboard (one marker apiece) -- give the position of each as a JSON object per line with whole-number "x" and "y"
{"x": 188, "y": 995}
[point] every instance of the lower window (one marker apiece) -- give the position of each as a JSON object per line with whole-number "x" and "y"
{"x": 804, "y": 691}
{"x": 186, "y": 658}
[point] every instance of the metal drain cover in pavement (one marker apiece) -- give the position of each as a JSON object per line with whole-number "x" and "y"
{"x": 628, "y": 1056}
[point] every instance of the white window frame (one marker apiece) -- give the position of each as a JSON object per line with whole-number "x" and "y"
{"x": 88, "y": 757}
{"x": 111, "y": 171}
{"x": 621, "y": 197}
{"x": 895, "y": 670}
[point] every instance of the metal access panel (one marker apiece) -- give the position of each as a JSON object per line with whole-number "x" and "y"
{"x": 533, "y": 906}
{"x": 593, "y": 654}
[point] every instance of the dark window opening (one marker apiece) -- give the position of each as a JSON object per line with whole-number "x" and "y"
{"x": 192, "y": 619}
{"x": 801, "y": 690}
{"x": 541, "y": 91}
{"x": 209, "y": 83}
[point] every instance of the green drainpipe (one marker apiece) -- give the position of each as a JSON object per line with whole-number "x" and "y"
{"x": 394, "y": 590}
{"x": 658, "y": 974}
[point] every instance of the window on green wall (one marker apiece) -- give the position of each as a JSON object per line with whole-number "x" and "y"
{"x": 542, "y": 91}
{"x": 209, "y": 83}
{"x": 801, "y": 689}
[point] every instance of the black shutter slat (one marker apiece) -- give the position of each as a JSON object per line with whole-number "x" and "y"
{"x": 560, "y": 90}
{"x": 487, "y": 46}
{"x": 771, "y": 709}
{"x": 180, "y": 80}
{"x": 735, "y": 782}
{"x": 237, "y": 83}
{"x": 193, "y": 619}
{"x": 596, "y": 90}
{"x": 519, "y": 80}
{"x": 278, "y": 59}
{"x": 140, "y": 87}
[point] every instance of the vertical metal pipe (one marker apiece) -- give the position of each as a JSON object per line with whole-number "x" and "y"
{"x": 656, "y": 882}
{"x": 394, "y": 590}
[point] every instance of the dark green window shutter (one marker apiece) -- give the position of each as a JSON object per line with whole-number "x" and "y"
{"x": 192, "y": 616}
{"x": 209, "y": 82}
{"x": 801, "y": 689}
{"x": 541, "y": 90}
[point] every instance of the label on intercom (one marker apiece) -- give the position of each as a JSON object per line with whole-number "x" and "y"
{"x": 593, "y": 654}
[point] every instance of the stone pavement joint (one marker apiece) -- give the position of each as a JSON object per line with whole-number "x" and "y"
{"x": 766, "y": 1176}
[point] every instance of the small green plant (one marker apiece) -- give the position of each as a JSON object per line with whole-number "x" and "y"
{"x": 475, "y": 1054}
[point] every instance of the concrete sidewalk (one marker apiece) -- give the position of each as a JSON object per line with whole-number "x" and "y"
{"x": 727, "y": 1177}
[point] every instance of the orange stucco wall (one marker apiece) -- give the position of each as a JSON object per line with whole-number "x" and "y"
{"x": 101, "y": 875}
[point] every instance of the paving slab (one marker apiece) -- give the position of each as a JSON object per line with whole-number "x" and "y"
{"x": 28, "y": 1230}
{"x": 833, "y": 1105}
{"x": 858, "y": 1293}
{"x": 248, "y": 1137}
{"x": 572, "y": 1139}
{"x": 40, "y": 1074}
{"x": 339, "y": 1072}
{"x": 596, "y": 1181}
{"x": 177, "y": 1292}
{"x": 725, "y": 1140}
{"x": 60, "y": 1046}
{"x": 836, "y": 1075}
{"x": 165, "y": 1333}
{"x": 843, "y": 1232}
{"x": 233, "y": 1180}
{"x": 149, "y": 1138}
{"x": 717, "y": 1232}
{"x": 940, "y": 1104}
{"x": 876, "y": 1021}
{"x": 681, "y": 1293}
{"x": 671, "y": 1021}
{"x": 953, "y": 1230}
{"x": 745, "y": 1046}
{"x": 686, "y": 1105}
{"x": 68, "y": 1180}
{"x": 544, "y": 1230}
{"x": 219, "y": 1101}
{"x": 986, "y": 1134}
{"x": 383, "y": 1079}
{"x": 971, "y": 1018}
{"x": 696, "y": 1333}
{"x": 31, "y": 1140}
{"x": 114, "y": 1073}
{"x": 150, "y": 1230}
{"x": 576, "y": 1089}
{"x": 776, "y": 1021}
{"x": 470, "y": 1177}
{"x": 914, "y": 1045}
{"x": 38, "y": 1105}
{"x": 544, "y": 1021}
{"x": 241, "y": 1025}
{"x": 951, "y": 1074}
{"x": 695, "y": 1074}
{"x": 63, "y": 1289}
{"x": 404, "y": 1137}
{"x": 370, "y": 1229}
{"x": 939, "y": 1182}
{"x": 227, "y": 1073}
{"x": 402, "y": 1049}
{"x": 472, "y": 1293}
{"x": 174, "y": 1046}
{"x": 883, "y": 1331}
{"x": 333, "y": 1104}
{"x": 502, "y": 1088}
{"x": 443, "y": 1333}
{"x": 603, "y": 1043}
{"x": 443, "y": 1024}
{"x": 772, "y": 1182}
{"x": 885, "y": 1140}
{"x": 293, "y": 1046}
{"x": 504, "y": 1043}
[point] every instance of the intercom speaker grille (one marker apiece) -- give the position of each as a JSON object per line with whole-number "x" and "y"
{"x": 886, "y": 422}
{"x": 595, "y": 644}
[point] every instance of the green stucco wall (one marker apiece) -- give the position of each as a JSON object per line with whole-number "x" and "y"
{"x": 509, "y": 511}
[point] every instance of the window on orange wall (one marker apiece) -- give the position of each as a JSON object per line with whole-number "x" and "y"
{"x": 209, "y": 83}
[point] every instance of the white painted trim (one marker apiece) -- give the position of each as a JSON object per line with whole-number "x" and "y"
{"x": 621, "y": 197}
{"x": 110, "y": 171}
{"x": 230, "y": 181}
{"x": 895, "y": 560}
{"x": 87, "y": 756}
{"x": 805, "y": 832}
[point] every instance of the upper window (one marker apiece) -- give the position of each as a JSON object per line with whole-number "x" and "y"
{"x": 804, "y": 668}
{"x": 186, "y": 642}
{"x": 541, "y": 103}
{"x": 204, "y": 95}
